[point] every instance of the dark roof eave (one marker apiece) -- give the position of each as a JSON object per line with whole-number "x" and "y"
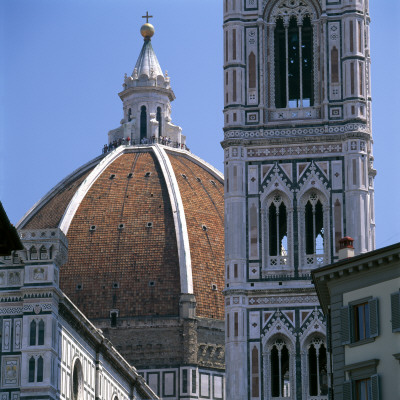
{"x": 9, "y": 236}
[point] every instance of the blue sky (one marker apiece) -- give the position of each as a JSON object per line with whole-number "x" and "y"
{"x": 62, "y": 65}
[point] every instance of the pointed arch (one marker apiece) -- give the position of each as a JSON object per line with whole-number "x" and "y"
{"x": 43, "y": 254}
{"x": 277, "y": 231}
{"x": 315, "y": 366}
{"x": 314, "y": 229}
{"x": 33, "y": 253}
{"x": 279, "y": 364}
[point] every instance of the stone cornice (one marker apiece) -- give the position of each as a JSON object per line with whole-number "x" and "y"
{"x": 136, "y": 89}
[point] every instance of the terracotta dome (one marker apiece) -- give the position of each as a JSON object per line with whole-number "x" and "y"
{"x": 145, "y": 224}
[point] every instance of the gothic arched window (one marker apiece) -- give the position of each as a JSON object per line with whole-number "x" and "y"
{"x": 159, "y": 120}
{"x": 317, "y": 368}
{"x": 32, "y": 335}
{"x": 41, "y": 333}
{"x": 277, "y": 231}
{"x": 143, "y": 122}
{"x": 280, "y": 378}
{"x": 294, "y": 63}
{"x": 314, "y": 230}
{"x": 31, "y": 377}
{"x": 39, "y": 374}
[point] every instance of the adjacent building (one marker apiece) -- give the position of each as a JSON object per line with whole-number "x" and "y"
{"x": 298, "y": 177}
{"x": 361, "y": 298}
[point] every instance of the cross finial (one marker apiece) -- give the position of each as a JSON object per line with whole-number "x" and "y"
{"x": 147, "y": 16}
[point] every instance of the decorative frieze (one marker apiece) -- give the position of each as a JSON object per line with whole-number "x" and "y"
{"x": 277, "y": 300}
{"x": 299, "y": 131}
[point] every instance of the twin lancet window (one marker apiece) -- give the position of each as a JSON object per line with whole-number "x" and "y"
{"x": 277, "y": 232}
{"x": 281, "y": 366}
{"x": 294, "y": 63}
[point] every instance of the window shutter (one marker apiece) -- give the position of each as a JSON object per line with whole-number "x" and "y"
{"x": 373, "y": 318}
{"x": 395, "y": 299}
{"x": 375, "y": 387}
{"x": 345, "y": 325}
{"x": 347, "y": 391}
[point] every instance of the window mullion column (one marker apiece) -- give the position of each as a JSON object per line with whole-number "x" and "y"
{"x": 314, "y": 232}
{"x": 277, "y": 232}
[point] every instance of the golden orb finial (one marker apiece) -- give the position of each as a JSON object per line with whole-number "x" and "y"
{"x": 147, "y": 30}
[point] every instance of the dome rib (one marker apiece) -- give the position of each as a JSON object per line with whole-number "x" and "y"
{"x": 182, "y": 237}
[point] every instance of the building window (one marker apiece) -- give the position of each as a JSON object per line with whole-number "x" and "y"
{"x": 159, "y": 120}
{"x": 317, "y": 368}
{"x": 366, "y": 388}
{"x": 113, "y": 318}
{"x": 31, "y": 377}
{"x": 277, "y": 232}
{"x": 294, "y": 63}
{"x": 359, "y": 321}
{"x": 143, "y": 122}
{"x": 280, "y": 378}
{"x": 39, "y": 374}
{"x": 314, "y": 230}
{"x": 36, "y": 333}
{"x": 35, "y": 368}
{"x": 32, "y": 338}
{"x": 41, "y": 333}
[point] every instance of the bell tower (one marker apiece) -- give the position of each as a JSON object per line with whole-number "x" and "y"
{"x": 299, "y": 176}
